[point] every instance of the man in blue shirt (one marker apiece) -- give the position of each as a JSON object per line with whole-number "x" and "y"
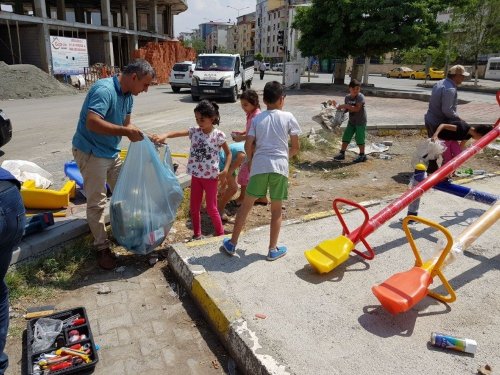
{"x": 106, "y": 117}
{"x": 443, "y": 104}
{"x": 12, "y": 222}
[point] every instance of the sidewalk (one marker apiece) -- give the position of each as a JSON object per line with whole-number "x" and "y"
{"x": 282, "y": 318}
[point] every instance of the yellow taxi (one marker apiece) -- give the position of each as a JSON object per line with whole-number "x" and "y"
{"x": 400, "y": 72}
{"x": 433, "y": 74}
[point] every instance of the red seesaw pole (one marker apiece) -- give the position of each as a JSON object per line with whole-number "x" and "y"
{"x": 330, "y": 253}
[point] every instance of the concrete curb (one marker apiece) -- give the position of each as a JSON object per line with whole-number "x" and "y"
{"x": 64, "y": 230}
{"x": 224, "y": 317}
{"x": 236, "y": 333}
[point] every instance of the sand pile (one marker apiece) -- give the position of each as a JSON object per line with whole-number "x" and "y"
{"x": 24, "y": 81}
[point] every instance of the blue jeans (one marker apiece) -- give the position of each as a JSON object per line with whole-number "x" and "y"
{"x": 12, "y": 222}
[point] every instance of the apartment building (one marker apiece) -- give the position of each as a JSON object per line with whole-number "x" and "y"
{"x": 102, "y": 31}
{"x": 273, "y": 16}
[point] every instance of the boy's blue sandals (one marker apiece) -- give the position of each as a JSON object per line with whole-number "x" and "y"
{"x": 228, "y": 246}
{"x": 276, "y": 253}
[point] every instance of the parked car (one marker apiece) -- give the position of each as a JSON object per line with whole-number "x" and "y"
{"x": 278, "y": 67}
{"x": 5, "y": 129}
{"x": 400, "y": 72}
{"x": 433, "y": 74}
{"x": 181, "y": 75}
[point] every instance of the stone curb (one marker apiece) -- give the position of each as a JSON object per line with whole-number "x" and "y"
{"x": 63, "y": 231}
{"x": 225, "y": 317}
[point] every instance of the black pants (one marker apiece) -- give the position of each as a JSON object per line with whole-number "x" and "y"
{"x": 262, "y": 72}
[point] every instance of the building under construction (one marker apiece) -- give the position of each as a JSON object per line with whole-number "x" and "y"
{"x": 101, "y": 31}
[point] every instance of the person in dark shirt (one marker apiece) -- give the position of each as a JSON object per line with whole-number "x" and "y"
{"x": 12, "y": 223}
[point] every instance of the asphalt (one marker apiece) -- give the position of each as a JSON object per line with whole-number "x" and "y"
{"x": 281, "y": 317}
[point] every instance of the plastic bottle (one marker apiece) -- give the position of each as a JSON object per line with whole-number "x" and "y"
{"x": 441, "y": 340}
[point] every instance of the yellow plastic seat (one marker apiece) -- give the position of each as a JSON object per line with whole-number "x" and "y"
{"x": 46, "y": 199}
{"x": 329, "y": 254}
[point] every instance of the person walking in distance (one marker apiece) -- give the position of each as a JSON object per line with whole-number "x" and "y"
{"x": 105, "y": 118}
{"x": 262, "y": 69}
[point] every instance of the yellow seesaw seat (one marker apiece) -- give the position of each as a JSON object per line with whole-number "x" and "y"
{"x": 329, "y": 254}
{"x": 46, "y": 199}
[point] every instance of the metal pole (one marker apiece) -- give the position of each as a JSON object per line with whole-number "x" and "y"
{"x": 10, "y": 42}
{"x": 285, "y": 40}
{"x": 19, "y": 43}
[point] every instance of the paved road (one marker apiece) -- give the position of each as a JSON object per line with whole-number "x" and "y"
{"x": 43, "y": 128}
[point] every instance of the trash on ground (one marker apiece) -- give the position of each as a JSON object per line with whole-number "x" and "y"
{"x": 369, "y": 148}
{"x": 26, "y": 170}
{"x": 485, "y": 370}
{"x": 260, "y": 316}
{"x": 443, "y": 341}
{"x": 104, "y": 289}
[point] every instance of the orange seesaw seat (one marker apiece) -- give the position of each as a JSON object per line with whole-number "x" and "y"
{"x": 403, "y": 290}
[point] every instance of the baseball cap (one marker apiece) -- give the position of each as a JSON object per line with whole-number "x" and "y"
{"x": 458, "y": 69}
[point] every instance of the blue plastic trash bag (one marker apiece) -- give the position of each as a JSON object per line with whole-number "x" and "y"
{"x": 145, "y": 199}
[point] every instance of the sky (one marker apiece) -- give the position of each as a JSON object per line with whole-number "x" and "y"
{"x": 201, "y": 11}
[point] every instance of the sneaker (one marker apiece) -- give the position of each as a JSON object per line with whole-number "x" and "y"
{"x": 276, "y": 253}
{"x": 360, "y": 159}
{"x": 196, "y": 238}
{"x": 228, "y": 246}
{"x": 106, "y": 259}
{"x": 339, "y": 156}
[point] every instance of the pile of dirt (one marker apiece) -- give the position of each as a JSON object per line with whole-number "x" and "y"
{"x": 25, "y": 81}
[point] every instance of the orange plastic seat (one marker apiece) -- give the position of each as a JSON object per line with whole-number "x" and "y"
{"x": 403, "y": 290}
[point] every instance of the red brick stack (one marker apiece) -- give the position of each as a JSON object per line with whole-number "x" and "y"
{"x": 162, "y": 56}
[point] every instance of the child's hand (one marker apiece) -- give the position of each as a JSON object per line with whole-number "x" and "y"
{"x": 158, "y": 139}
{"x": 222, "y": 178}
{"x": 334, "y": 103}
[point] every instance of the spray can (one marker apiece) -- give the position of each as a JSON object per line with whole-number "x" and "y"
{"x": 441, "y": 340}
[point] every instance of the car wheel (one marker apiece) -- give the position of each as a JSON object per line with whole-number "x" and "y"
{"x": 195, "y": 98}
{"x": 412, "y": 76}
{"x": 234, "y": 97}
{"x": 388, "y": 76}
{"x": 428, "y": 77}
{"x": 176, "y": 89}
{"x": 400, "y": 76}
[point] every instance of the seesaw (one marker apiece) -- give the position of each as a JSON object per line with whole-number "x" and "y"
{"x": 332, "y": 252}
{"x": 402, "y": 291}
{"x": 46, "y": 199}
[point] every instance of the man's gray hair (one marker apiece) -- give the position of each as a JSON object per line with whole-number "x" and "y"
{"x": 140, "y": 67}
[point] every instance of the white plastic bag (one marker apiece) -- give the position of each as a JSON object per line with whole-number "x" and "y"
{"x": 45, "y": 333}
{"x": 428, "y": 150}
{"x": 145, "y": 200}
{"x": 26, "y": 170}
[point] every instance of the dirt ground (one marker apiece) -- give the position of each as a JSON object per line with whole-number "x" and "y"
{"x": 315, "y": 179}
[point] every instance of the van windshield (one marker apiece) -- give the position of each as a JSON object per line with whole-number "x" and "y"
{"x": 219, "y": 63}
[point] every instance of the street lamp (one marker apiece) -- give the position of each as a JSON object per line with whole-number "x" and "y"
{"x": 237, "y": 9}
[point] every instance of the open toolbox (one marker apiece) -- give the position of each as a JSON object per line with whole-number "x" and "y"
{"x": 72, "y": 352}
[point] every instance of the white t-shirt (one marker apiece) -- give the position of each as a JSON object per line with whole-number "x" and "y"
{"x": 203, "y": 159}
{"x": 272, "y": 130}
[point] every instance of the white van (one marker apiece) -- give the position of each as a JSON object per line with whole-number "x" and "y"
{"x": 221, "y": 75}
{"x": 492, "y": 68}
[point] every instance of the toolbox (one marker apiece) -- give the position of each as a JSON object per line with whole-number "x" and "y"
{"x": 76, "y": 333}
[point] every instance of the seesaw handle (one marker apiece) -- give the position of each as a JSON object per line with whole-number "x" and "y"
{"x": 345, "y": 230}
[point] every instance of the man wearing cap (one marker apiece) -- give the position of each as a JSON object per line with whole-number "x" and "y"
{"x": 443, "y": 104}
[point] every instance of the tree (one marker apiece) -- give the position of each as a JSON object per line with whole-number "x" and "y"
{"x": 417, "y": 55}
{"x": 477, "y": 29}
{"x": 259, "y": 56}
{"x": 367, "y": 27}
{"x": 197, "y": 43}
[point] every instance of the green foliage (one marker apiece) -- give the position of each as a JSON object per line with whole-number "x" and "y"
{"x": 259, "y": 56}
{"x": 476, "y": 28}
{"x": 40, "y": 278}
{"x": 366, "y": 28}
{"x": 197, "y": 43}
{"x": 418, "y": 55}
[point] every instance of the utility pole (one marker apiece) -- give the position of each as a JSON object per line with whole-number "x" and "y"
{"x": 285, "y": 39}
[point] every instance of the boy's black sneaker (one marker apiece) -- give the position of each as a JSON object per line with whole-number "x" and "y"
{"x": 360, "y": 159}
{"x": 340, "y": 156}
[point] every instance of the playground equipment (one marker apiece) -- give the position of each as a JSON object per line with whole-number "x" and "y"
{"x": 402, "y": 291}
{"x": 330, "y": 253}
{"x": 46, "y": 199}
